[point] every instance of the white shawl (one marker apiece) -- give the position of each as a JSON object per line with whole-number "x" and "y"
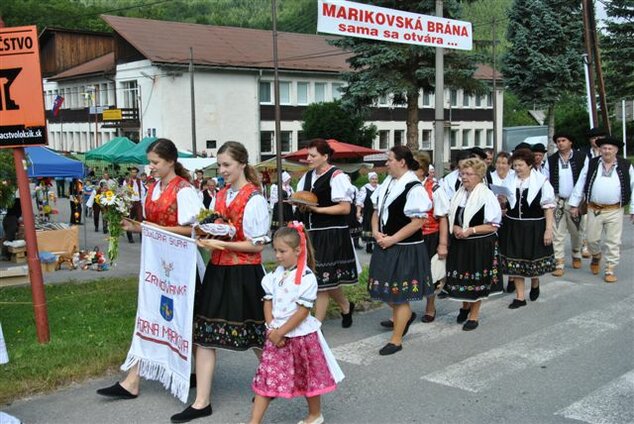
{"x": 475, "y": 200}
{"x": 536, "y": 181}
{"x": 392, "y": 188}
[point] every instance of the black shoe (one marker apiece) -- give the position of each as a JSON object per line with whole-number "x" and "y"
{"x": 116, "y": 391}
{"x": 388, "y": 323}
{"x": 510, "y": 287}
{"x": 131, "y": 241}
{"x": 428, "y": 318}
{"x": 463, "y": 314}
{"x": 368, "y": 248}
{"x": 412, "y": 318}
{"x": 534, "y": 293}
{"x": 346, "y": 319}
{"x": 470, "y": 325}
{"x": 442, "y": 295}
{"x": 517, "y": 304}
{"x": 192, "y": 381}
{"x": 191, "y": 413}
{"x": 390, "y": 349}
{"x": 96, "y": 229}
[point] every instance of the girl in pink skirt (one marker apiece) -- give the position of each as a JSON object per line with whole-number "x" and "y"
{"x": 296, "y": 360}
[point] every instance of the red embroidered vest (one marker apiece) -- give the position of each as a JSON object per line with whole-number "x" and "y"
{"x": 235, "y": 213}
{"x": 164, "y": 211}
{"x": 431, "y": 224}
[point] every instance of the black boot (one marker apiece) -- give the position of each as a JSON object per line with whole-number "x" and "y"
{"x": 130, "y": 239}
{"x": 368, "y": 247}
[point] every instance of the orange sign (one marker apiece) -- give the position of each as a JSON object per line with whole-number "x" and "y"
{"x": 22, "y": 120}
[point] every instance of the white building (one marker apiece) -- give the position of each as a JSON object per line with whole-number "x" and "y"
{"x": 147, "y": 77}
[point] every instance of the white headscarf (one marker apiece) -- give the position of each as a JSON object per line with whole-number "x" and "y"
{"x": 372, "y": 175}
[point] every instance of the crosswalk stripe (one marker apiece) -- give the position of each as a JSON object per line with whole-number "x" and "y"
{"x": 365, "y": 351}
{"x": 479, "y": 372}
{"x": 610, "y": 404}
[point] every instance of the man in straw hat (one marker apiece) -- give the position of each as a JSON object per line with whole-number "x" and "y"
{"x": 606, "y": 182}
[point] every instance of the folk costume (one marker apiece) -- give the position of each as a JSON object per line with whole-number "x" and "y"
{"x": 229, "y": 312}
{"x": 401, "y": 273}
{"x": 138, "y": 196}
{"x": 522, "y": 249}
{"x": 176, "y": 204}
{"x": 305, "y": 365}
{"x": 364, "y": 200}
{"x": 440, "y": 208}
{"x": 334, "y": 253}
{"x": 473, "y": 264}
{"x": 287, "y": 209}
{"x": 354, "y": 226}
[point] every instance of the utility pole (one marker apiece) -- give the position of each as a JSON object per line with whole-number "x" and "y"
{"x": 597, "y": 63}
{"x": 193, "y": 100}
{"x": 587, "y": 65}
{"x": 494, "y": 40}
{"x": 439, "y": 112}
{"x": 278, "y": 117}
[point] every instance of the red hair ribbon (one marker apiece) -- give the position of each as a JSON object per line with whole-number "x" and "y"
{"x": 301, "y": 259}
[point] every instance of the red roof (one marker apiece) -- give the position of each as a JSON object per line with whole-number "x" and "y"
{"x": 169, "y": 42}
{"x": 101, "y": 65}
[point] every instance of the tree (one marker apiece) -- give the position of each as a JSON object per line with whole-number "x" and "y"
{"x": 515, "y": 113}
{"x": 330, "y": 120}
{"x": 7, "y": 178}
{"x": 571, "y": 117}
{"x": 402, "y": 70}
{"x": 544, "y": 60}
{"x": 619, "y": 49}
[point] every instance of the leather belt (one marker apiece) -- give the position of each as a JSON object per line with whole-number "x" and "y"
{"x": 599, "y": 207}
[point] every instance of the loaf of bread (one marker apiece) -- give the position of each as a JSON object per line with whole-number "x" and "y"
{"x": 306, "y": 197}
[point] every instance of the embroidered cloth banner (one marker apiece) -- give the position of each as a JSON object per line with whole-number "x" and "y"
{"x": 162, "y": 339}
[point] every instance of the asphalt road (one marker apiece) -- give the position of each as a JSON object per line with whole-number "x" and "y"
{"x": 566, "y": 358}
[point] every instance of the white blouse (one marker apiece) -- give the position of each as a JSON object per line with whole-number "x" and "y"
{"x": 255, "y": 223}
{"x": 417, "y": 203}
{"x": 279, "y": 287}
{"x": 341, "y": 190}
{"x": 492, "y": 211}
{"x": 189, "y": 203}
{"x": 363, "y": 192}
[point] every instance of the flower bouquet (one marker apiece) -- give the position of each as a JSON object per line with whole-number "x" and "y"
{"x": 210, "y": 224}
{"x": 115, "y": 204}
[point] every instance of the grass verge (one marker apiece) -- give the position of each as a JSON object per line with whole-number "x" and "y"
{"x": 91, "y": 328}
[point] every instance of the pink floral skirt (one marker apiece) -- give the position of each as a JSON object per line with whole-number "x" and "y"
{"x": 297, "y": 369}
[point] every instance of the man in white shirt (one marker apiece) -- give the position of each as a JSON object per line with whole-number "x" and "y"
{"x": 564, "y": 167}
{"x": 138, "y": 197}
{"x": 607, "y": 183}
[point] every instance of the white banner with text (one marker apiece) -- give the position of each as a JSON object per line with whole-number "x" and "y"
{"x": 352, "y": 19}
{"x": 162, "y": 341}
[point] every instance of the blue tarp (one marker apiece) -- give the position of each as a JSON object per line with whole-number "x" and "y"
{"x": 43, "y": 162}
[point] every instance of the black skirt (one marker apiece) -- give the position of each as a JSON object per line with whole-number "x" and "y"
{"x": 287, "y": 214}
{"x": 400, "y": 273}
{"x": 229, "y": 313}
{"x": 366, "y": 233}
{"x": 522, "y": 249}
{"x": 335, "y": 257}
{"x": 473, "y": 268}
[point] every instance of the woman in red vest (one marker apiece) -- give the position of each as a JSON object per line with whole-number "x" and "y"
{"x": 172, "y": 203}
{"x": 229, "y": 313}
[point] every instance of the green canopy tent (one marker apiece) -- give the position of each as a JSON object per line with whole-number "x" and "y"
{"x": 109, "y": 151}
{"x": 137, "y": 154}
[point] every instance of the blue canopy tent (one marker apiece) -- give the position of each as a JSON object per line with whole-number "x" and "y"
{"x": 43, "y": 162}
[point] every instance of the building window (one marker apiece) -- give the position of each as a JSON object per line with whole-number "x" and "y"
{"x": 466, "y": 138}
{"x": 426, "y": 98}
{"x": 337, "y": 90}
{"x": 478, "y": 138}
{"x": 453, "y": 97}
{"x": 287, "y": 139}
{"x": 490, "y": 100}
{"x": 130, "y": 95}
{"x": 399, "y": 135}
{"x": 320, "y": 92}
{"x": 266, "y": 141}
{"x": 265, "y": 92}
{"x": 384, "y": 139}
{"x": 211, "y": 144}
{"x": 302, "y": 93}
{"x": 466, "y": 99}
{"x": 301, "y": 140}
{"x": 453, "y": 138}
{"x": 478, "y": 101}
{"x": 426, "y": 140}
{"x": 285, "y": 93}
{"x": 489, "y": 138}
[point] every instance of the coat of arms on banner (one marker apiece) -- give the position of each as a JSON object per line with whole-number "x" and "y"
{"x": 167, "y": 308}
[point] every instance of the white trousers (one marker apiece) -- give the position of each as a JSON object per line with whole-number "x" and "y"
{"x": 610, "y": 224}
{"x": 565, "y": 226}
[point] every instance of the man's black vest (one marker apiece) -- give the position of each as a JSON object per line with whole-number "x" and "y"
{"x": 623, "y": 172}
{"x": 576, "y": 164}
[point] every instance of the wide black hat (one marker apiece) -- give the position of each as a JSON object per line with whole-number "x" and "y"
{"x": 597, "y": 132}
{"x": 610, "y": 140}
{"x": 538, "y": 148}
